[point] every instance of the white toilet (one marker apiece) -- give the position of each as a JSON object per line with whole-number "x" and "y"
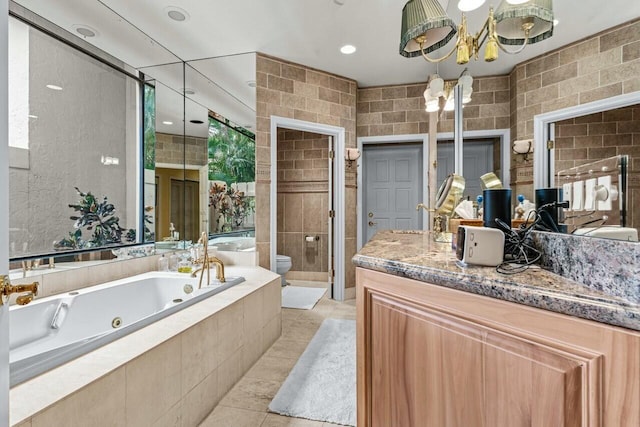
{"x": 283, "y": 264}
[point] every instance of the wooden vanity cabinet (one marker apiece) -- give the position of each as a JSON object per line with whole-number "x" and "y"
{"x": 434, "y": 356}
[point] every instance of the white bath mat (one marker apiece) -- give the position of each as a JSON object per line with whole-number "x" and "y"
{"x": 322, "y": 384}
{"x": 301, "y": 297}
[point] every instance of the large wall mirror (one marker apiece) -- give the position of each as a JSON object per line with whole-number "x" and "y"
{"x": 174, "y": 144}
{"x": 587, "y": 135}
{"x": 87, "y": 108}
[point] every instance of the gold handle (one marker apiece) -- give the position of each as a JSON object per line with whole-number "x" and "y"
{"x": 6, "y": 289}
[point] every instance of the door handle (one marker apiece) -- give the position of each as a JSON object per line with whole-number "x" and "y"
{"x": 371, "y": 223}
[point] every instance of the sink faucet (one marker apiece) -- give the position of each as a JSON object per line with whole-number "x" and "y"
{"x": 206, "y": 260}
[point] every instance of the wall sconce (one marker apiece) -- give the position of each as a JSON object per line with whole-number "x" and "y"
{"x": 427, "y": 27}
{"x": 437, "y": 88}
{"x": 351, "y": 155}
{"x": 523, "y": 147}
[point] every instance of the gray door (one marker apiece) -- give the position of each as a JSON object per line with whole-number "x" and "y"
{"x": 477, "y": 160}
{"x": 392, "y": 180}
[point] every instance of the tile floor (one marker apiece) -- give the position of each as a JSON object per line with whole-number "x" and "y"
{"x": 246, "y": 403}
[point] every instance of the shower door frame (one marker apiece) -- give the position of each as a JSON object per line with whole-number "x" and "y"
{"x": 338, "y": 135}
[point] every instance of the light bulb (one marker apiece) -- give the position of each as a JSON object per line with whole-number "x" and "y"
{"x": 436, "y": 86}
{"x": 469, "y": 5}
{"x": 432, "y": 105}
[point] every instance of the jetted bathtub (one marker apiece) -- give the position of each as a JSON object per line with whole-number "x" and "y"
{"x": 233, "y": 243}
{"x": 53, "y": 330}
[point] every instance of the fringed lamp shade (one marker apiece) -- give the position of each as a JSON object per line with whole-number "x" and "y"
{"x": 428, "y": 18}
{"x": 511, "y": 17}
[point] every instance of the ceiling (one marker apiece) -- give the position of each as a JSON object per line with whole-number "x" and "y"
{"x": 308, "y": 32}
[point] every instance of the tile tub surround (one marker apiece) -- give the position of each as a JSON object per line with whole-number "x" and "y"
{"x": 171, "y": 372}
{"x": 415, "y": 255}
{"x": 604, "y": 265}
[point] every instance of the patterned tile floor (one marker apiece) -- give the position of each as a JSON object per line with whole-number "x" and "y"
{"x": 246, "y": 403}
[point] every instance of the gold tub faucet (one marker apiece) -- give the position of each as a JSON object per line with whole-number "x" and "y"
{"x": 206, "y": 260}
{"x": 6, "y": 289}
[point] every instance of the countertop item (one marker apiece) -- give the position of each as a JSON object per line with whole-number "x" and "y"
{"x": 415, "y": 255}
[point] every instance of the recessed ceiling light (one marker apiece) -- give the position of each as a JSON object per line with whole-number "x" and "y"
{"x": 348, "y": 49}
{"x": 196, "y": 122}
{"x": 85, "y": 30}
{"x": 251, "y": 83}
{"x": 187, "y": 91}
{"x": 54, "y": 87}
{"x": 167, "y": 122}
{"x": 469, "y": 5}
{"x": 31, "y": 116}
{"x": 177, "y": 13}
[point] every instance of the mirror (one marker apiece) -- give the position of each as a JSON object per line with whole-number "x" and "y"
{"x": 84, "y": 115}
{"x": 225, "y": 88}
{"x": 591, "y": 138}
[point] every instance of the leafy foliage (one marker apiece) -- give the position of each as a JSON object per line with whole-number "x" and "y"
{"x": 231, "y": 154}
{"x": 149, "y": 127}
{"x": 95, "y": 216}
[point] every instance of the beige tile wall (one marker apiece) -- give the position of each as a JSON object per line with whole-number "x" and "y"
{"x": 399, "y": 110}
{"x": 303, "y": 199}
{"x": 170, "y": 149}
{"x": 599, "y": 136}
{"x": 601, "y": 66}
{"x": 295, "y": 91}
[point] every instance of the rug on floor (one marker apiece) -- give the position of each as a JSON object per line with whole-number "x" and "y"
{"x": 322, "y": 384}
{"x": 301, "y": 297}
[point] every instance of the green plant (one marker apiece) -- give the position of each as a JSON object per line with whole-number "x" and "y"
{"x": 95, "y": 216}
{"x": 149, "y": 127}
{"x": 231, "y": 154}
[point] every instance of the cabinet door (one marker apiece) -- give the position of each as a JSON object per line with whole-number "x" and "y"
{"x": 429, "y": 368}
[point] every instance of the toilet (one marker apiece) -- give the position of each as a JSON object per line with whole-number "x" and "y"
{"x": 283, "y": 264}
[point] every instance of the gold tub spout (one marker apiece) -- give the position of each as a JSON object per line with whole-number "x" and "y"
{"x": 24, "y": 299}
{"x": 219, "y": 268}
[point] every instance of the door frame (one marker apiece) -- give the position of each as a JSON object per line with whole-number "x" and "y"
{"x": 338, "y": 135}
{"x": 4, "y": 211}
{"x": 543, "y": 131}
{"x": 504, "y": 136}
{"x": 390, "y": 139}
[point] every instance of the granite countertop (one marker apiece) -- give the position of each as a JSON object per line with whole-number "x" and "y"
{"x": 415, "y": 255}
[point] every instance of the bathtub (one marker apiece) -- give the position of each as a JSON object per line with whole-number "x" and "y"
{"x": 54, "y": 330}
{"x": 240, "y": 244}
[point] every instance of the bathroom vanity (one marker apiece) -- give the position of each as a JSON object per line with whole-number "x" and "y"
{"x": 440, "y": 344}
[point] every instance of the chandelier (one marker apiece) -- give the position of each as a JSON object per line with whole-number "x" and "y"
{"x": 426, "y": 27}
